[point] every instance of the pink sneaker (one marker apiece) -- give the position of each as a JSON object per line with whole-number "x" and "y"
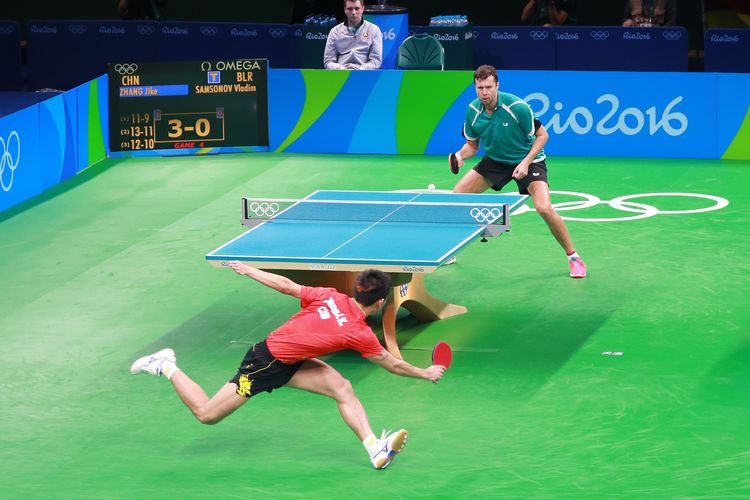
{"x": 577, "y": 267}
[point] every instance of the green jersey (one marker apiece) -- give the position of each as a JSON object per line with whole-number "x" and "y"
{"x": 508, "y": 134}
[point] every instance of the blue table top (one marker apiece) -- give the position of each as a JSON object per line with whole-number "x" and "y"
{"x": 353, "y": 236}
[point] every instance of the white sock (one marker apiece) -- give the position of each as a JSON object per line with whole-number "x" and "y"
{"x": 574, "y": 255}
{"x": 168, "y": 369}
{"x": 371, "y": 444}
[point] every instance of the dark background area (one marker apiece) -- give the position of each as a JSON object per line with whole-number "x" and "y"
{"x": 479, "y": 12}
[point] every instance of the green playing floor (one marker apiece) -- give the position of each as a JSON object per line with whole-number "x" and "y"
{"x": 109, "y": 266}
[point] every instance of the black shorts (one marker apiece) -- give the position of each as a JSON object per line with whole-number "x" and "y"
{"x": 260, "y": 371}
{"x": 499, "y": 174}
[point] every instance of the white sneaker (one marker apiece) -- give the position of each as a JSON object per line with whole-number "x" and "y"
{"x": 389, "y": 445}
{"x": 153, "y": 362}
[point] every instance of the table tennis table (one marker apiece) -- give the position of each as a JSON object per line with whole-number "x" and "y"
{"x": 328, "y": 237}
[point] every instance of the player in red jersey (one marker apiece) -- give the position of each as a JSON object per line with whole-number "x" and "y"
{"x": 328, "y": 322}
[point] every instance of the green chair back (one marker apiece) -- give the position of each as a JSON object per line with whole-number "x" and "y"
{"x": 421, "y": 51}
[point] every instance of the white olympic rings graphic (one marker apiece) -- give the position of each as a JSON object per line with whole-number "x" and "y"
{"x": 623, "y": 203}
{"x": 145, "y": 29}
{"x": 8, "y": 160}
{"x": 600, "y": 35}
{"x": 126, "y": 69}
{"x": 277, "y": 32}
{"x": 261, "y": 209}
{"x": 485, "y": 214}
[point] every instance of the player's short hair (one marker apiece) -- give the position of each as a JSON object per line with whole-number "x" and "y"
{"x": 485, "y": 71}
{"x": 371, "y": 286}
{"x": 361, "y": 2}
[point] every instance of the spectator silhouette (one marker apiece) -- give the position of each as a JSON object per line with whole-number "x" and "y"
{"x": 645, "y": 13}
{"x": 549, "y": 12}
{"x": 140, "y": 9}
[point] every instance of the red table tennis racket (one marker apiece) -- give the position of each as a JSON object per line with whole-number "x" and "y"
{"x": 442, "y": 354}
{"x": 454, "y": 164}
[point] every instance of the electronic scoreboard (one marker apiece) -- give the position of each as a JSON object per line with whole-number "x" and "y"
{"x": 188, "y": 105}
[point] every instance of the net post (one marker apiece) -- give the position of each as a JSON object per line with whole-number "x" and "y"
{"x": 245, "y": 217}
{"x": 494, "y": 229}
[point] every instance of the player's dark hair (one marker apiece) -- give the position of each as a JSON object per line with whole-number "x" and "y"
{"x": 361, "y": 2}
{"x": 371, "y": 286}
{"x": 485, "y": 71}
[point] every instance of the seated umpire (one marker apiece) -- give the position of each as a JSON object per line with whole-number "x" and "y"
{"x": 355, "y": 43}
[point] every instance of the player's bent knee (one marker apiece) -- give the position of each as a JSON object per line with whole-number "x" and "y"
{"x": 343, "y": 389}
{"x": 208, "y": 418}
{"x": 545, "y": 210}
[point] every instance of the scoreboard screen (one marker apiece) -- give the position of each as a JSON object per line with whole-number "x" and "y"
{"x": 188, "y": 104}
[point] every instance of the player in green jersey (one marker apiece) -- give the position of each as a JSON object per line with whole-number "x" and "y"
{"x": 513, "y": 141}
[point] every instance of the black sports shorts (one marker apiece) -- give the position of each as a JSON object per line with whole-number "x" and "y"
{"x": 260, "y": 371}
{"x": 499, "y": 174}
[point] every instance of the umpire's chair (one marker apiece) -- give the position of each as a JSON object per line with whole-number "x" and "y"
{"x": 421, "y": 51}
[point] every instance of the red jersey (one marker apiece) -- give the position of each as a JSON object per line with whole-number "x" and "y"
{"x": 328, "y": 322}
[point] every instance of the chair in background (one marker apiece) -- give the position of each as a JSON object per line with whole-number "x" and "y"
{"x": 421, "y": 51}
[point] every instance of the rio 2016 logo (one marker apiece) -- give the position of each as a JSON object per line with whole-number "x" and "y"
{"x": 389, "y": 35}
{"x": 10, "y": 154}
{"x": 629, "y": 121}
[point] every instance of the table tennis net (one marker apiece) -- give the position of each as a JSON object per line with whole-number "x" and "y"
{"x": 343, "y": 211}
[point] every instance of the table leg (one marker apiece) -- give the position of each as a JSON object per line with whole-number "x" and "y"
{"x": 415, "y": 298}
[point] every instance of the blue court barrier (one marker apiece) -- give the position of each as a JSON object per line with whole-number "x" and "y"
{"x": 400, "y": 112}
{"x": 19, "y": 157}
{"x": 572, "y": 48}
{"x": 605, "y": 114}
{"x": 10, "y": 55}
{"x": 422, "y": 112}
{"x": 297, "y": 39}
{"x": 92, "y": 126}
{"x": 190, "y": 41}
{"x": 621, "y": 49}
{"x": 733, "y": 117}
{"x": 12, "y": 101}
{"x": 312, "y": 45}
{"x": 727, "y": 50}
{"x": 63, "y": 54}
{"x": 513, "y": 47}
{"x": 50, "y": 141}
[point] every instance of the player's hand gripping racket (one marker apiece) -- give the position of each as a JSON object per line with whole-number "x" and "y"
{"x": 454, "y": 169}
{"x": 442, "y": 354}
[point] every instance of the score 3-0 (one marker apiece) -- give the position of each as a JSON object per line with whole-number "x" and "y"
{"x": 180, "y": 127}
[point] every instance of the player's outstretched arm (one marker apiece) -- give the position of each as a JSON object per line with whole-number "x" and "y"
{"x": 405, "y": 369}
{"x": 278, "y": 283}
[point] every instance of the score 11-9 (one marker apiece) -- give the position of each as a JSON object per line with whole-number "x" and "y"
{"x": 136, "y": 118}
